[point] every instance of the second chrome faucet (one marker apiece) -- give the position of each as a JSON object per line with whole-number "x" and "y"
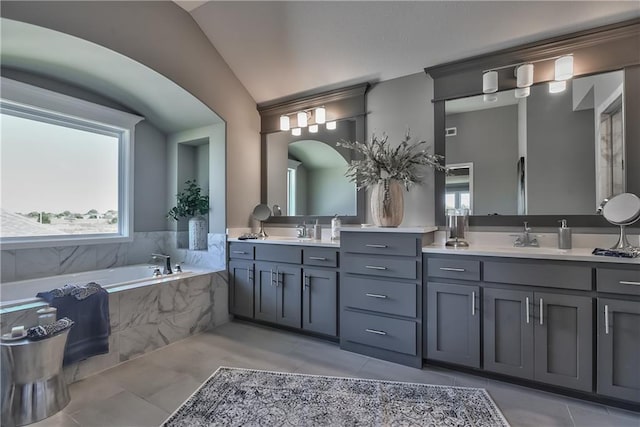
{"x": 525, "y": 239}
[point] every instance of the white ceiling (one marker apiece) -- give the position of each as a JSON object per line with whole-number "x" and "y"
{"x": 278, "y": 49}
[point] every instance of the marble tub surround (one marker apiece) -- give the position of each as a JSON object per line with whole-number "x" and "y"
{"x": 146, "y": 318}
{"x": 22, "y": 264}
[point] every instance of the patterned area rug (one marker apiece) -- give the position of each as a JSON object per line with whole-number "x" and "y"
{"x": 244, "y": 397}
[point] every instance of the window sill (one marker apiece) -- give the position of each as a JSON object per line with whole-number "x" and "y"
{"x": 23, "y": 243}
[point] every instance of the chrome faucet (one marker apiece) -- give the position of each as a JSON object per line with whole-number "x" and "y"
{"x": 167, "y": 262}
{"x": 525, "y": 239}
{"x": 301, "y": 230}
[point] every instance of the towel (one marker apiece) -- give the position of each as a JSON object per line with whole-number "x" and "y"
{"x": 88, "y": 307}
{"x": 41, "y": 332}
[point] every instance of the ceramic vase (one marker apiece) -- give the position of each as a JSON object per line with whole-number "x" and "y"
{"x": 387, "y": 203}
{"x": 197, "y": 233}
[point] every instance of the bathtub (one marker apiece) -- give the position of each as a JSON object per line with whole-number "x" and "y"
{"x": 23, "y": 293}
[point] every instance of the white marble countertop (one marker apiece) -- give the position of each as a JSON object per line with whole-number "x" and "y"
{"x": 576, "y": 254}
{"x": 285, "y": 240}
{"x": 373, "y": 229}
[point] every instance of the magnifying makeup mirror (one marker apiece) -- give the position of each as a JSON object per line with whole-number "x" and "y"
{"x": 622, "y": 210}
{"x": 261, "y": 213}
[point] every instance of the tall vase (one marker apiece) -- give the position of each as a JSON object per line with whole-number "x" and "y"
{"x": 387, "y": 203}
{"x": 197, "y": 233}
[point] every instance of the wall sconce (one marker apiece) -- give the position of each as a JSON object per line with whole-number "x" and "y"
{"x": 524, "y": 77}
{"x": 310, "y": 118}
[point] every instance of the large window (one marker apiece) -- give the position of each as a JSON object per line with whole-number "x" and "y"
{"x": 65, "y": 166}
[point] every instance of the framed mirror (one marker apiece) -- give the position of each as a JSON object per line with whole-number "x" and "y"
{"x": 303, "y": 176}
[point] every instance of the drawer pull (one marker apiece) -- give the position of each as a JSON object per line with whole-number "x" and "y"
{"x": 239, "y": 252}
{"x": 459, "y": 270}
{"x": 473, "y": 303}
{"x": 541, "y": 312}
{"x": 626, "y": 282}
{"x": 527, "y": 308}
{"x": 376, "y": 246}
{"x": 318, "y": 258}
{"x": 606, "y": 319}
{"x": 375, "y": 331}
{"x": 375, "y": 267}
{"x": 376, "y": 296}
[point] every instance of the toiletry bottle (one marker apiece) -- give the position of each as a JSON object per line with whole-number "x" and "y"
{"x": 317, "y": 231}
{"x": 564, "y": 235}
{"x": 335, "y": 228}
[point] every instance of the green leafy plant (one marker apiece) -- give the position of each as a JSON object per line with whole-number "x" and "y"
{"x": 191, "y": 202}
{"x": 381, "y": 162}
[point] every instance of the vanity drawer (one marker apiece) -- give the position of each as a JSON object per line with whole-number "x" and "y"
{"x": 380, "y": 243}
{"x": 279, "y": 253}
{"x": 240, "y": 250}
{"x": 382, "y": 332}
{"x": 618, "y": 281}
{"x": 566, "y": 276}
{"x": 401, "y": 268}
{"x": 322, "y": 257}
{"x": 380, "y": 295}
{"x": 452, "y": 268}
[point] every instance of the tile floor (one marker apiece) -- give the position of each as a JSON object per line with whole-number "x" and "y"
{"x": 144, "y": 391}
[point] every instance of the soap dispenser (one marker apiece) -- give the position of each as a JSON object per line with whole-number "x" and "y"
{"x": 564, "y": 235}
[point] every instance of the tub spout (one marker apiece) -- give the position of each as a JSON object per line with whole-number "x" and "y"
{"x": 167, "y": 262}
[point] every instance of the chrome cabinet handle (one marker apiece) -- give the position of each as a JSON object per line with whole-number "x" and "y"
{"x": 473, "y": 303}
{"x": 376, "y": 296}
{"x": 541, "y": 312}
{"x": 239, "y": 252}
{"x": 460, "y": 270}
{"x": 307, "y": 281}
{"x": 626, "y": 282}
{"x": 527, "y": 308}
{"x": 376, "y": 246}
{"x": 606, "y": 319}
{"x": 278, "y": 275}
{"x": 375, "y": 331}
{"x": 271, "y": 271}
{"x": 318, "y": 258}
{"x": 374, "y": 267}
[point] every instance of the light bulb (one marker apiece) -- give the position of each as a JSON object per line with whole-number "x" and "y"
{"x": 490, "y": 82}
{"x": 313, "y": 128}
{"x": 321, "y": 115}
{"x": 524, "y": 75}
{"x": 331, "y": 125}
{"x": 557, "y": 87}
{"x": 296, "y": 131}
{"x": 564, "y": 68}
{"x": 302, "y": 119}
{"x": 284, "y": 123}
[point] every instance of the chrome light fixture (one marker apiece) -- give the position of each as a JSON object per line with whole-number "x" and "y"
{"x": 310, "y": 118}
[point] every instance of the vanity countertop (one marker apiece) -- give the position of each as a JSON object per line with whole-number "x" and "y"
{"x": 577, "y": 254}
{"x": 285, "y": 240}
{"x": 373, "y": 229}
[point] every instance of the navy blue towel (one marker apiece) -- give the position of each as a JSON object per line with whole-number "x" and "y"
{"x": 90, "y": 334}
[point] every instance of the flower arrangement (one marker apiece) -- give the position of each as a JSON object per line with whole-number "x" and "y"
{"x": 381, "y": 162}
{"x": 191, "y": 202}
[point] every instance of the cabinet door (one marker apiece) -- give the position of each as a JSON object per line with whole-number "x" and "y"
{"x": 241, "y": 288}
{"x": 289, "y": 295}
{"x": 619, "y": 349}
{"x": 508, "y": 332}
{"x": 563, "y": 340}
{"x": 320, "y": 301}
{"x": 265, "y": 291}
{"x": 453, "y": 324}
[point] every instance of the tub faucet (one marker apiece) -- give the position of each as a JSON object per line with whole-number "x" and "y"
{"x": 525, "y": 239}
{"x": 167, "y": 262}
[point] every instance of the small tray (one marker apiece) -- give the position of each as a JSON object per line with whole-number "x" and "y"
{"x": 8, "y": 337}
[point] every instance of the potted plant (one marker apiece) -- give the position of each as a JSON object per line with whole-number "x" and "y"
{"x": 386, "y": 170}
{"x": 192, "y": 204}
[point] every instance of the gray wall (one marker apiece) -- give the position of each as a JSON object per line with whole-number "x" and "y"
{"x": 489, "y": 139}
{"x": 164, "y": 37}
{"x": 561, "y": 159}
{"x": 393, "y": 106}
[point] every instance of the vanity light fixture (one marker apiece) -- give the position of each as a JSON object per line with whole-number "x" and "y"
{"x": 524, "y": 75}
{"x": 564, "y": 68}
{"x": 284, "y": 123}
{"x": 296, "y": 131}
{"x": 313, "y": 128}
{"x": 331, "y": 125}
{"x": 302, "y": 119}
{"x": 557, "y": 87}
{"x": 321, "y": 115}
{"x": 490, "y": 82}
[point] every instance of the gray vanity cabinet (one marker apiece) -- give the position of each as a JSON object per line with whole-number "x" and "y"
{"x": 278, "y": 296}
{"x": 508, "y": 332}
{"x": 619, "y": 349}
{"x": 563, "y": 336}
{"x": 241, "y": 276}
{"x": 453, "y": 323}
{"x": 319, "y": 300}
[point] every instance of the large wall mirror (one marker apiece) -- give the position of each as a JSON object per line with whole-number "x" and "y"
{"x": 303, "y": 176}
{"x": 546, "y": 156}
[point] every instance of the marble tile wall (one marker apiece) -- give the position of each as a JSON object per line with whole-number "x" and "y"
{"x": 25, "y": 264}
{"x": 147, "y": 318}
